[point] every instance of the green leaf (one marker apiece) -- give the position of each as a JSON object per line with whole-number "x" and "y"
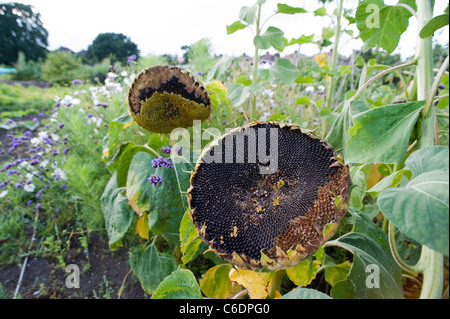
{"x": 238, "y": 94}
{"x": 284, "y": 8}
{"x": 273, "y": 37}
{"x": 151, "y": 267}
{"x": 429, "y": 159}
{"x": 392, "y": 180}
{"x": 367, "y": 254}
{"x": 336, "y": 273}
{"x": 221, "y": 67}
{"x": 302, "y": 39}
{"x": 248, "y": 14}
{"x": 181, "y": 284}
{"x": 420, "y": 208}
{"x": 165, "y": 202}
{"x": 305, "y": 293}
{"x": 190, "y": 241}
{"x": 282, "y": 71}
{"x": 380, "y": 25}
{"x": 371, "y": 138}
{"x": 320, "y": 12}
{"x": 118, "y": 214}
{"x": 433, "y": 25}
{"x": 235, "y": 26}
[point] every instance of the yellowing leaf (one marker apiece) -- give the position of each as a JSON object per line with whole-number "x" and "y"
{"x": 216, "y": 283}
{"x": 142, "y": 228}
{"x": 306, "y": 271}
{"x": 374, "y": 176}
{"x": 256, "y": 283}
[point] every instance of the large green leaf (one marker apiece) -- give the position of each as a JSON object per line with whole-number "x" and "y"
{"x": 305, "y": 293}
{"x": 433, "y": 25}
{"x": 338, "y": 134}
{"x": 282, "y": 71}
{"x": 165, "y": 202}
{"x": 273, "y": 37}
{"x": 371, "y": 139}
{"x": 420, "y": 209}
{"x": 235, "y": 26}
{"x": 368, "y": 255}
{"x": 151, "y": 267}
{"x": 118, "y": 214}
{"x": 380, "y": 25}
{"x": 181, "y": 284}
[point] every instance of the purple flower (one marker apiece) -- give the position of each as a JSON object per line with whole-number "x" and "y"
{"x": 64, "y": 186}
{"x": 35, "y": 120}
{"x": 55, "y": 152}
{"x": 56, "y": 178}
{"x": 9, "y": 121}
{"x": 29, "y": 202}
{"x": 48, "y": 140}
{"x": 77, "y": 81}
{"x": 60, "y": 125}
{"x": 103, "y": 105}
{"x": 66, "y": 150}
{"x": 162, "y": 162}
{"x": 28, "y": 133}
{"x": 90, "y": 115}
{"x": 166, "y": 149}
{"x": 9, "y": 165}
{"x": 38, "y": 206}
{"x": 131, "y": 58}
{"x": 38, "y": 194}
{"x": 57, "y": 209}
{"x": 34, "y": 162}
{"x": 41, "y": 114}
{"x": 18, "y": 185}
{"x": 12, "y": 172}
{"x": 155, "y": 180}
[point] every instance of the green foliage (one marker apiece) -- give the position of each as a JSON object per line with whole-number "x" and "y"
{"x": 61, "y": 67}
{"x": 200, "y": 56}
{"x": 21, "y": 30}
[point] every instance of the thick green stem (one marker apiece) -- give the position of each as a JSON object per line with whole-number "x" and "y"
{"x": 252, "y": 111}
{"x": 431, "y": 262}
{"x": 337, "y": 34}
{"x": 275, "y": 284}
{"x": 425, "y": 73}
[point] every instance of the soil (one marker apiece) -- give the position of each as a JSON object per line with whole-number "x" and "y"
{"x": 104, "y": 274}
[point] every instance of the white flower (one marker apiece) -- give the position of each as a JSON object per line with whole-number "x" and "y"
{"x": 29, "y": 188}
{"x": 29, "y": 177}
{"x": 59, "y": 172}
{"x": 124, "y": 73}
{"x": 3, "y": 194}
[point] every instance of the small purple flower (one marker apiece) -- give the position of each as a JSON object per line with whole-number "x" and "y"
{"x": 41, "y": 114}
{"x": 77, "y": 82}
{"x": 38, "y": 194}
{"x": 66, "y": 150}
{"x": 162, "y": 162}
{"x": 90, "y": 115}
{"x": 35, "y": 120}
{"x": 61, "y": 125}
{"x": 55, "y": 152}
{"x": 38, "y": 206}
{"x": 56, "y": 178}
{"x": 131, "y": 58}
{"x": 155, "y": 180}
{"x": 29, "y": 202}
{"x": 34, "y": 162}
{"x": 9, "y": 121}
{"x": 9, "y": 165}
{"x": 166, "y": 149}
{"x": 18, "y": 185}
{"x": 103, "y": 105}
{"x": 28, "y": 133}
{"x": 64, "y": 186}
{"x": 48, "y": 140}
{"x": 12, "y": 172}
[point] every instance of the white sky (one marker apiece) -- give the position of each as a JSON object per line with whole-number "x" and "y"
{"x": 163, "y": 26}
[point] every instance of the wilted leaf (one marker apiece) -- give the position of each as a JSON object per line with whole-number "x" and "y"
{"x": 216, "y": 283}
{"x": 306, "y": 271}
{"x": 257, "y": 283}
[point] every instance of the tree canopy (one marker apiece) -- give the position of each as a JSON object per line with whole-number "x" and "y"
{"x": 21, "y": 30}
{"x": 111, "y": 45}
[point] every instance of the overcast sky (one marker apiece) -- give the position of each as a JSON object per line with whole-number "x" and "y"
{"x": 163, "y": 26}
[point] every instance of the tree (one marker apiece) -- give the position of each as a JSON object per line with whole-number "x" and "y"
{"x": 111, "y": 45}
{"x": 21, "y": 30}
